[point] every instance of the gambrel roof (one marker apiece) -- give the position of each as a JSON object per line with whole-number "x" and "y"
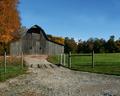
{"x": 37, "y": 29}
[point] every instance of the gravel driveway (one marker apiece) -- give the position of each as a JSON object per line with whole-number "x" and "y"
{"x": 46, "y": 79}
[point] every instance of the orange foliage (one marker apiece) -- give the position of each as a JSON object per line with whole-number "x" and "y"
{"x": 9, "y": 20}
{"x": 58, "y": 40}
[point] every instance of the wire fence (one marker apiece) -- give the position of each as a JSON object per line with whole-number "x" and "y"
{"x": 11, "y": 66}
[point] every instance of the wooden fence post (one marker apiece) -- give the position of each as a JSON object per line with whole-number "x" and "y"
{"x": 61, "y": 59}
{"x": 69, "y": 60}
{"x": 5, "y": 62}
{"x": 22, "y": 60}
{"x": 58, "y": 59}
{"x": 64, "y": 60}
{"x": 93, "y": 59}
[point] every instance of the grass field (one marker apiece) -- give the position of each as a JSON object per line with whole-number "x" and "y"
{"x": 13, "y": 68}
{"x": 108, "y": 63}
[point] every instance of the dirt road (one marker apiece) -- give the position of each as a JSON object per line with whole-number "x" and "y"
{"x": 46, "y": 79}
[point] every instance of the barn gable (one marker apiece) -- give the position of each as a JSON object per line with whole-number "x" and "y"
{"x": 38, "y": 30}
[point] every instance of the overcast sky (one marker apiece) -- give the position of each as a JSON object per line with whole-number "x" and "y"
{"x": 80, "y": 19}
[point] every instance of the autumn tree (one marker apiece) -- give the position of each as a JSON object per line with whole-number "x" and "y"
{"x": 56, "y": 39}
{"x": 70, "y": 45}
{"x": 9, "y": 21}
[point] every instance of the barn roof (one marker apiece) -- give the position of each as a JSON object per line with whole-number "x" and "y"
{"x": 37, "y": 29}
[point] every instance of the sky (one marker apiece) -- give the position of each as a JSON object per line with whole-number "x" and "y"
{"x": 80, "y": 19}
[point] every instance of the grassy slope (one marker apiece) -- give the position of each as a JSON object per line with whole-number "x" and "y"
{"x": 104, "y": 63}
{"x": 53, "y": 59}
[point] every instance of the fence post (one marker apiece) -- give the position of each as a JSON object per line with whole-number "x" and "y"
{"x": 69, "y": 60}
{"x": 61, "y": 59}
{"x": 58, "y": 59}
{"x": 22, "y": 60}
{"x": 64, "y": 60}
{"x": 93, "y": 59}
{"x": 5, "y": 62}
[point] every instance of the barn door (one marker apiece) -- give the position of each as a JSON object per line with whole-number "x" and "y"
{"x": 38, "y": 48}
{"x": 33, "y": 48}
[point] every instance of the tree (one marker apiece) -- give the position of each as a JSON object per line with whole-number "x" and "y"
{"x": 99, "y": 45}
{"x": 111, "y": 46}
{"x": 9, "y": 21}
{"x": 58, "y": 40}
{"x": 90, "y": 45}
{"x": 22, "y": 30}
{"x": 117, "y": 45}
{"x": 70, "y": 45}
{"x": 80, "y": 48}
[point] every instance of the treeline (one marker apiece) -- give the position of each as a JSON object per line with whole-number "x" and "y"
{"x": 56, "y": 39}
{"x": 98, "y": 45}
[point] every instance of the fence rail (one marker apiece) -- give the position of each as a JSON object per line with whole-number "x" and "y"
{"x": 91, "y": 59}
{"x": 79, "y": 55}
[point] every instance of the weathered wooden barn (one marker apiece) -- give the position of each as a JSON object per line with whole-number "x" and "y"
{"x": 35, "y": 41}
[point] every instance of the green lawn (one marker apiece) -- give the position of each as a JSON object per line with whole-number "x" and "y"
{"x": 13, "y": 69}
{"x": 108, "y": 63}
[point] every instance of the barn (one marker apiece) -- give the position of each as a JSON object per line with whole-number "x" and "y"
{"x": 35, "y": 41}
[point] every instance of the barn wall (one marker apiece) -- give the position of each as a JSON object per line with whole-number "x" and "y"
{"x": 15, "y": 48}
{"x": 54, "y": 49}
{"x": 33, "y": 47}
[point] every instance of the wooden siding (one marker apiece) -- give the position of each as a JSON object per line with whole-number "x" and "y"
{"x": 15, "y": 48}
{"x": 34, "y": 46}
{"x": 54, "y": 49}
{"x": 35, "y": 42}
